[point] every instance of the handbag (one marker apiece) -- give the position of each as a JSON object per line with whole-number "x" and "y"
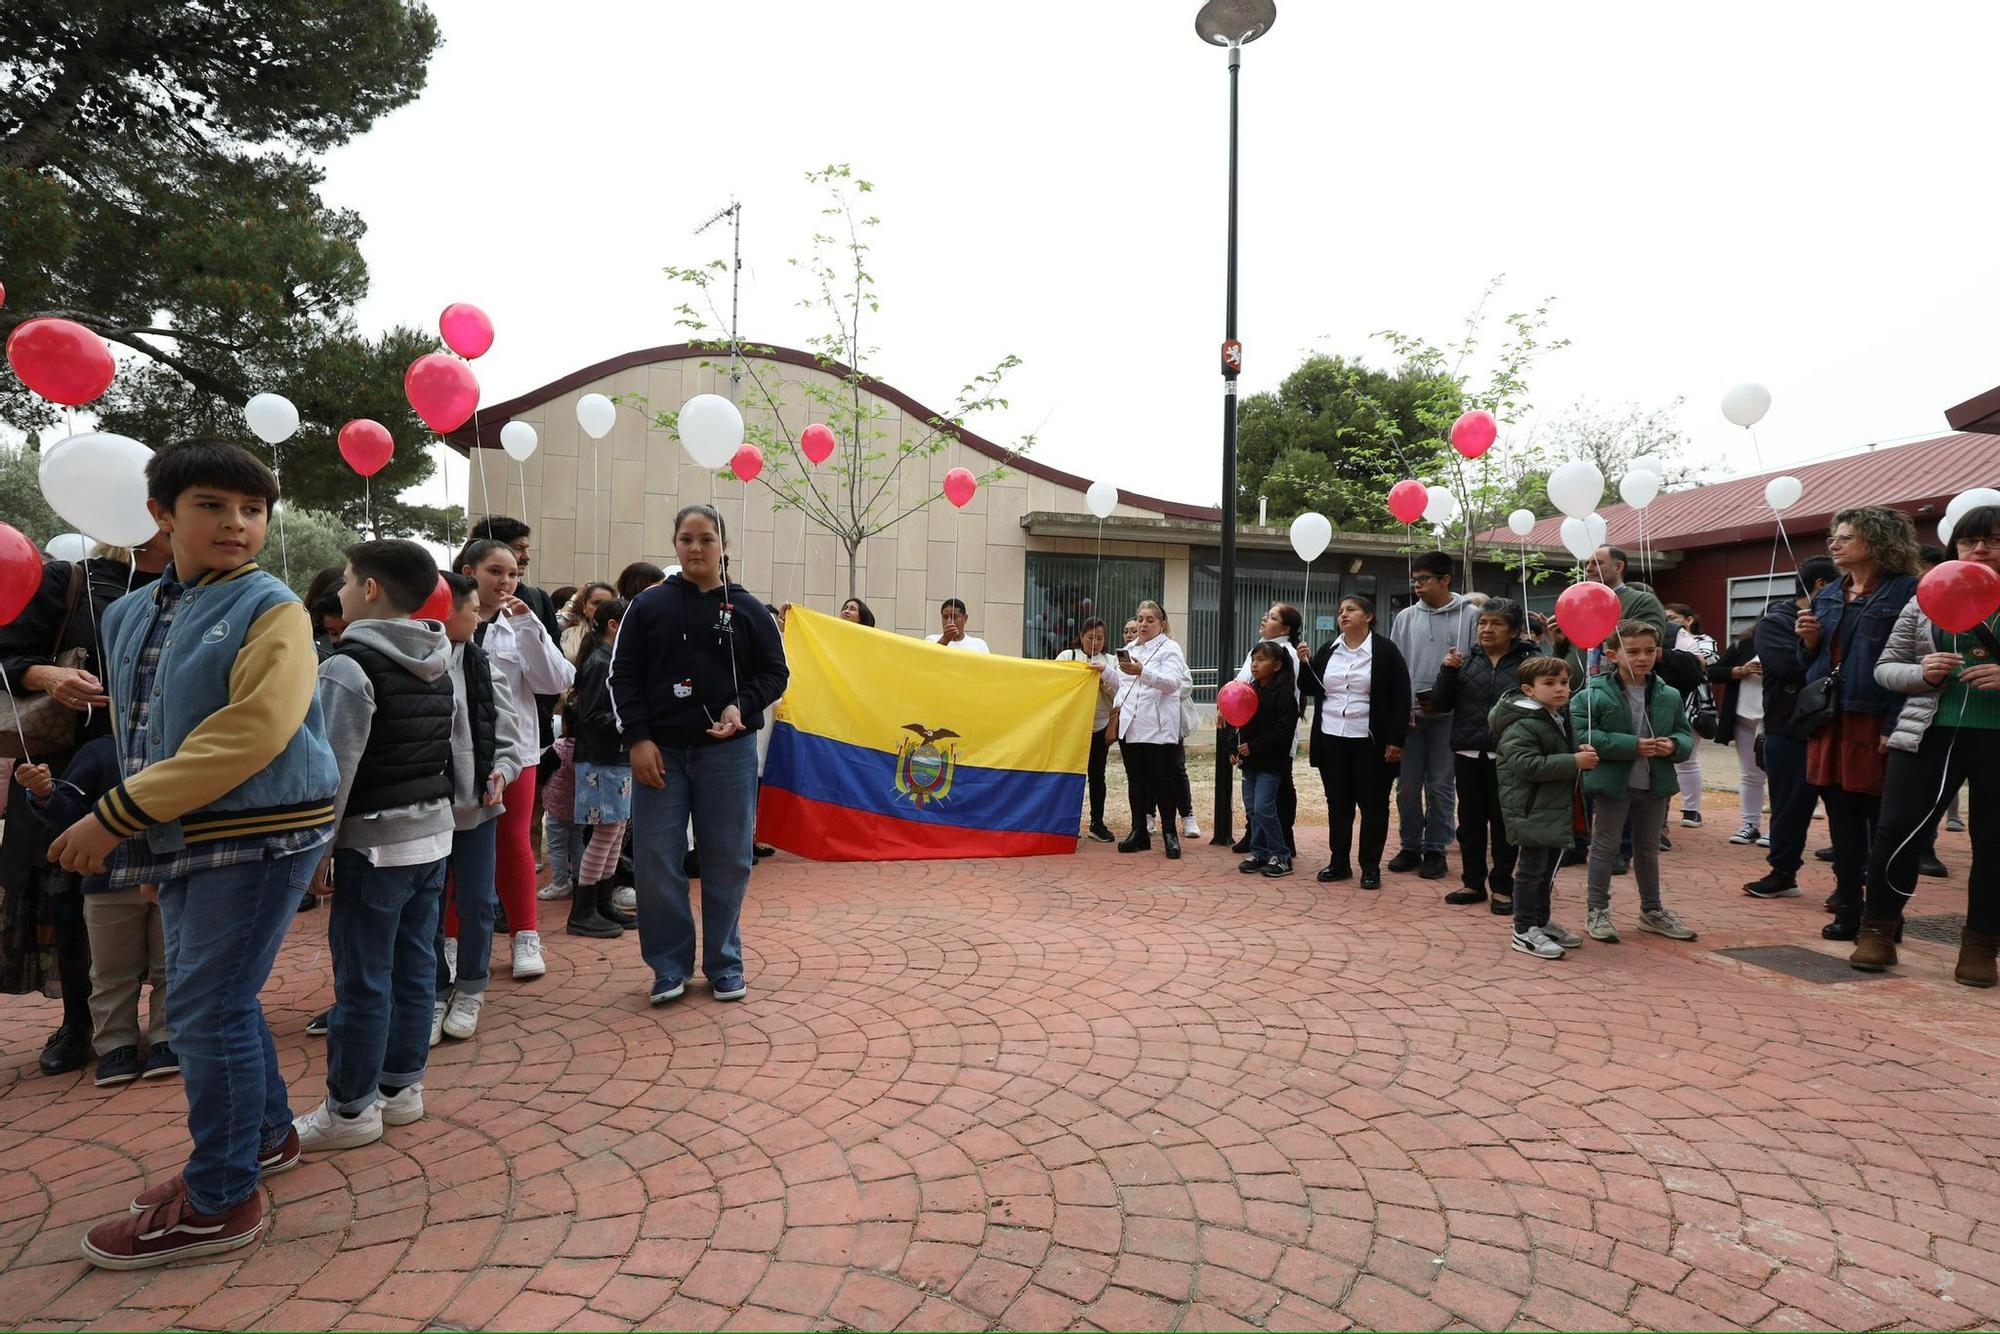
{"x": 48, "y": 724}
{"x": 1703, "y": 716}
{"x": 1818, "y": 702}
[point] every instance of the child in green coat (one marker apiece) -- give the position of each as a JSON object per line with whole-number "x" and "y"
{"x": 1538, "y": 764}
{"x": 1636, "y": 723}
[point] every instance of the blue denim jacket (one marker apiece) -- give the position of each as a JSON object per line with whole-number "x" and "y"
{"x": 1878, "y": 612}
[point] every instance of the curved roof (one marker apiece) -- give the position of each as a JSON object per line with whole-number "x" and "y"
{"x": 497, "y": 416}
{"x": 1905, "y": 477}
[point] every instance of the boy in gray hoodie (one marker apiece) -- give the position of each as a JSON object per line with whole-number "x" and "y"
{"x": 389, "y": 706}
{"x": 1438, "y": 621}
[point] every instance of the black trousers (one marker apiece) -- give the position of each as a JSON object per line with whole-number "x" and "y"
{"x": 1356, "y": 778}
{"x": 1850, "y": 818}
{"x": 1481, "y": 827}
{"x": 1288, "y": 809}
{"x": 1792, "y": 801}
{"x": 1183, "y": 791}
{"x": 1100, "y": 750}
{"x": 1153, "y": 769}
{"x": 1918, "y": 788}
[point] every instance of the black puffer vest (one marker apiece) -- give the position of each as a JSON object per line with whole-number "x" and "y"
{"x": 482, "y": 711}
{"x": 408, "y": 757}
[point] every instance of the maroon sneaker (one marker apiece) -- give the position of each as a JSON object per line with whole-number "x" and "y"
{"x": 173, "y": 1231}
{"x": 281, "y": 1159}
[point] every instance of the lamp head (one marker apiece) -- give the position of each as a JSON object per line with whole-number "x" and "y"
{"x": 1235, "y": 22}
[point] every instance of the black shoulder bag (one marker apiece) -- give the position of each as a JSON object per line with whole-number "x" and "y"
{"x": 1818, "y": 702}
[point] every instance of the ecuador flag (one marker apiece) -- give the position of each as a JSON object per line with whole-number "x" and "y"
{"x": 889, "y": 748}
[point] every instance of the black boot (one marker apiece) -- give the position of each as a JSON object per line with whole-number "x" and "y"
{"x": 1170, "y": 838}
{"x": 67, "y": 1049}
{"x": 585, "y": 919}
{"x": 610, "y": 911}
{"x": 1137, "y": 840}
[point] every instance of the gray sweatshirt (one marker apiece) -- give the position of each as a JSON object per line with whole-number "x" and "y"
{"x": 511, "y": 745}
{"x": 1423, "y": 633}
{"x": 347, "y": 703}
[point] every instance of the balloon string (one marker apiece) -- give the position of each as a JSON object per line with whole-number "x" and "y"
{"x": 26, "y": 758}
{"x": 368, "y": 505}
{"x": 278, "y": 474}
{"x": 479, "y": 457}
{"x": 1097, "y": 579}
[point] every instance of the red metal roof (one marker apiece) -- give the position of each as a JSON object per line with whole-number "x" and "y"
{"x": 1905, "y": 477}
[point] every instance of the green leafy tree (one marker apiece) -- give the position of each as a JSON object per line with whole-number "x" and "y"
{"x": 21, "y": 502}
{"x": 310, "y": 541}
{"x": 857, "y": 493}
{"x": 158, "y": 185}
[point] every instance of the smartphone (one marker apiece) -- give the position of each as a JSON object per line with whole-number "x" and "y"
{"x": 1124, "y": 655}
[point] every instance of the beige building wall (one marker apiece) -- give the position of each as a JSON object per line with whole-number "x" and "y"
{"x": 598, "y": 505}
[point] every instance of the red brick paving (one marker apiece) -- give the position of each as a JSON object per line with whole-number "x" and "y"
{"x": 1112, "y": 1092}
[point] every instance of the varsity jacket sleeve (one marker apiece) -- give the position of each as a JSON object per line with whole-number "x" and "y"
{"x": 347, "y": 707}
{"x": 271, "y": 687}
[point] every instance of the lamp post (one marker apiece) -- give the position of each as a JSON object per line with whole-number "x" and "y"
{"x": 1232, "y": 24}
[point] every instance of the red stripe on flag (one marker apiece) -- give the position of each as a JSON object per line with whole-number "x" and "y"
{"x": 828, "y": 833}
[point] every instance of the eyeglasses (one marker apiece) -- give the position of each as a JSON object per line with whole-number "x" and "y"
{"x": 1842, "y": 539}
{"x": 1423, "y": 579}
{"x": 1991, "y": 541}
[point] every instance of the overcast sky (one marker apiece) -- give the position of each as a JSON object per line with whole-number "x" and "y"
{"x": 1713, "y": 193}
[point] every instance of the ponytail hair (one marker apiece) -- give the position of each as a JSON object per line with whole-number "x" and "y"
{"x": 1294, "y": 622}
{"x": 611, "y": 609}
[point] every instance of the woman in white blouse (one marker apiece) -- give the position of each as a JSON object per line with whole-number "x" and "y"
{"x": 1147, "y": 675}
{"x": 1360, "y": 688}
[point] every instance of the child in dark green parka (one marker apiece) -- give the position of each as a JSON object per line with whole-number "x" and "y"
{"x": 1538, "y": 762}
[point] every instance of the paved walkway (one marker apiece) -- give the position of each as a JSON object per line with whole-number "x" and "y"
{"x": 1107, "y": 1091}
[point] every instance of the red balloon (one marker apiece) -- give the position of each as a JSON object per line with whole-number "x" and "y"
{"x": 1237, "y": 703}
{"x": 749, "y": 461}
{"x": 3, "y": 294}
{"x": 466, "y": 329}
{"x": 20, "y": 573}
{"x": 60, "y": 360}
{"x": 442, "y": 389}
{"x": 817, "y": 442}
{"x": 367, "y": 446}
{"x": 1407, "y": 499}
{"x": 1959, "y": 594}
{"x": 1587, "y": 613}
{"x": 959, "y": 484}
{"x": 1474, "y": 433}
{"x": 437, "y": 607}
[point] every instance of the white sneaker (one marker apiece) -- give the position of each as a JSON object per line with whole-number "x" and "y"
{"x": 1191, "y": 828}
{"x": 1662, "y": 921}
{"x": 625, "y": 899}
{"x": 1763, "y": 840}
{"x": 1597, "y": 921}
{"x": 556, "y": 889}
{"x": 403, "y": 1106}
{"x": 323, "y": 1128}
{"x": 1536, "y": 941}
{"x": 528, "y": 955}
{"x": 437, "y": 1021}
{"x": 1746, "y": 834}
{"x": 463, "y": 1017}
{"x": 451, "y": 958}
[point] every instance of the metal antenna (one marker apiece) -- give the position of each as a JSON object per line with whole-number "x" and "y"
{"x": 735, "y": 214}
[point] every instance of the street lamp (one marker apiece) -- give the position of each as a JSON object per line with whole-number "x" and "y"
{"x": 1234, "y": 24}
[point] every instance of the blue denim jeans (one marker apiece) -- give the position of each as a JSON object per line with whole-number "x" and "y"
{"x": 717, "y": 784}
{"x": 223, "y": 929}
{"x": 566, "y": 841}
{"x": 474, "y": 855}
{"x": 1427, "y": 786}
{"x": 382, "y": 932}
{"x": 1260, "y": 805}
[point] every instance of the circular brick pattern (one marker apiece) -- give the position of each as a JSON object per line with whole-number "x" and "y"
{"x": 1107, "y": 1091}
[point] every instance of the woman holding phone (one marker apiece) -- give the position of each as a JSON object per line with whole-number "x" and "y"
{"x": 1147, "y": 676}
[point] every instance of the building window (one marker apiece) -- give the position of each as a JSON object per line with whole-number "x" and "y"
{"x": 1066, "y": 590}
{"x": 1748, "y": 598}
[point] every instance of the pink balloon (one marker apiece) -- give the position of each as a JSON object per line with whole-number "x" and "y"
{"x": 442, "y": 389}
{"x": 817, "y": 442}
{"x": 749, "y": 461}
{"x": 1587, "y": 613}
{"x": 1474, "y": 433}
{"x": 1237, "y": 703}
{"x": 959, "y": 484}
{"x": 366, "y": 445}
{"x": 1407, "y": 499}
{"x": 466, "y": 329}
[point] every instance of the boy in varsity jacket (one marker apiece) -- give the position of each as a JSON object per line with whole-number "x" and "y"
{"x": 389, "y": 707}
{"x": 227, "y": 793}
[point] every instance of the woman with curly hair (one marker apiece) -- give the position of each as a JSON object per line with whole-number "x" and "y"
{"x": 1845, "y": 630}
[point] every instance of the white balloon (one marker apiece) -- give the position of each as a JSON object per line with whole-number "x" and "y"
{"x": 1576, "y": 487}
{"x": 518, "y": 439}
{"x": 711, "y": 429}
{"x": 1310, "y": 534}
{"x": 1746, "y": 404}
{"x": 1973, "y": 499}
{"x": 1102, "y": 498}
{"x": 1576, "y": 538}
{"x": 68, "y": 547}
{"x": 1594, "y": 525}
{"x": 97, "y": 481}
{"x": 1522, "y": 522}
{"x": 596, "y": 414}
{"x": 1781, "y": 493}
{"x": 1638, "y": 487}
{"x": 1440, "y": 506}
{"x": 272, "y": 418}
{"x": 1944, "y": 531}
{"x": 1648, "y": 463}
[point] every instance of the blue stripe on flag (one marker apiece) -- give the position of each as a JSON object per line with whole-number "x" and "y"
{"x": 855, "y": 776}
